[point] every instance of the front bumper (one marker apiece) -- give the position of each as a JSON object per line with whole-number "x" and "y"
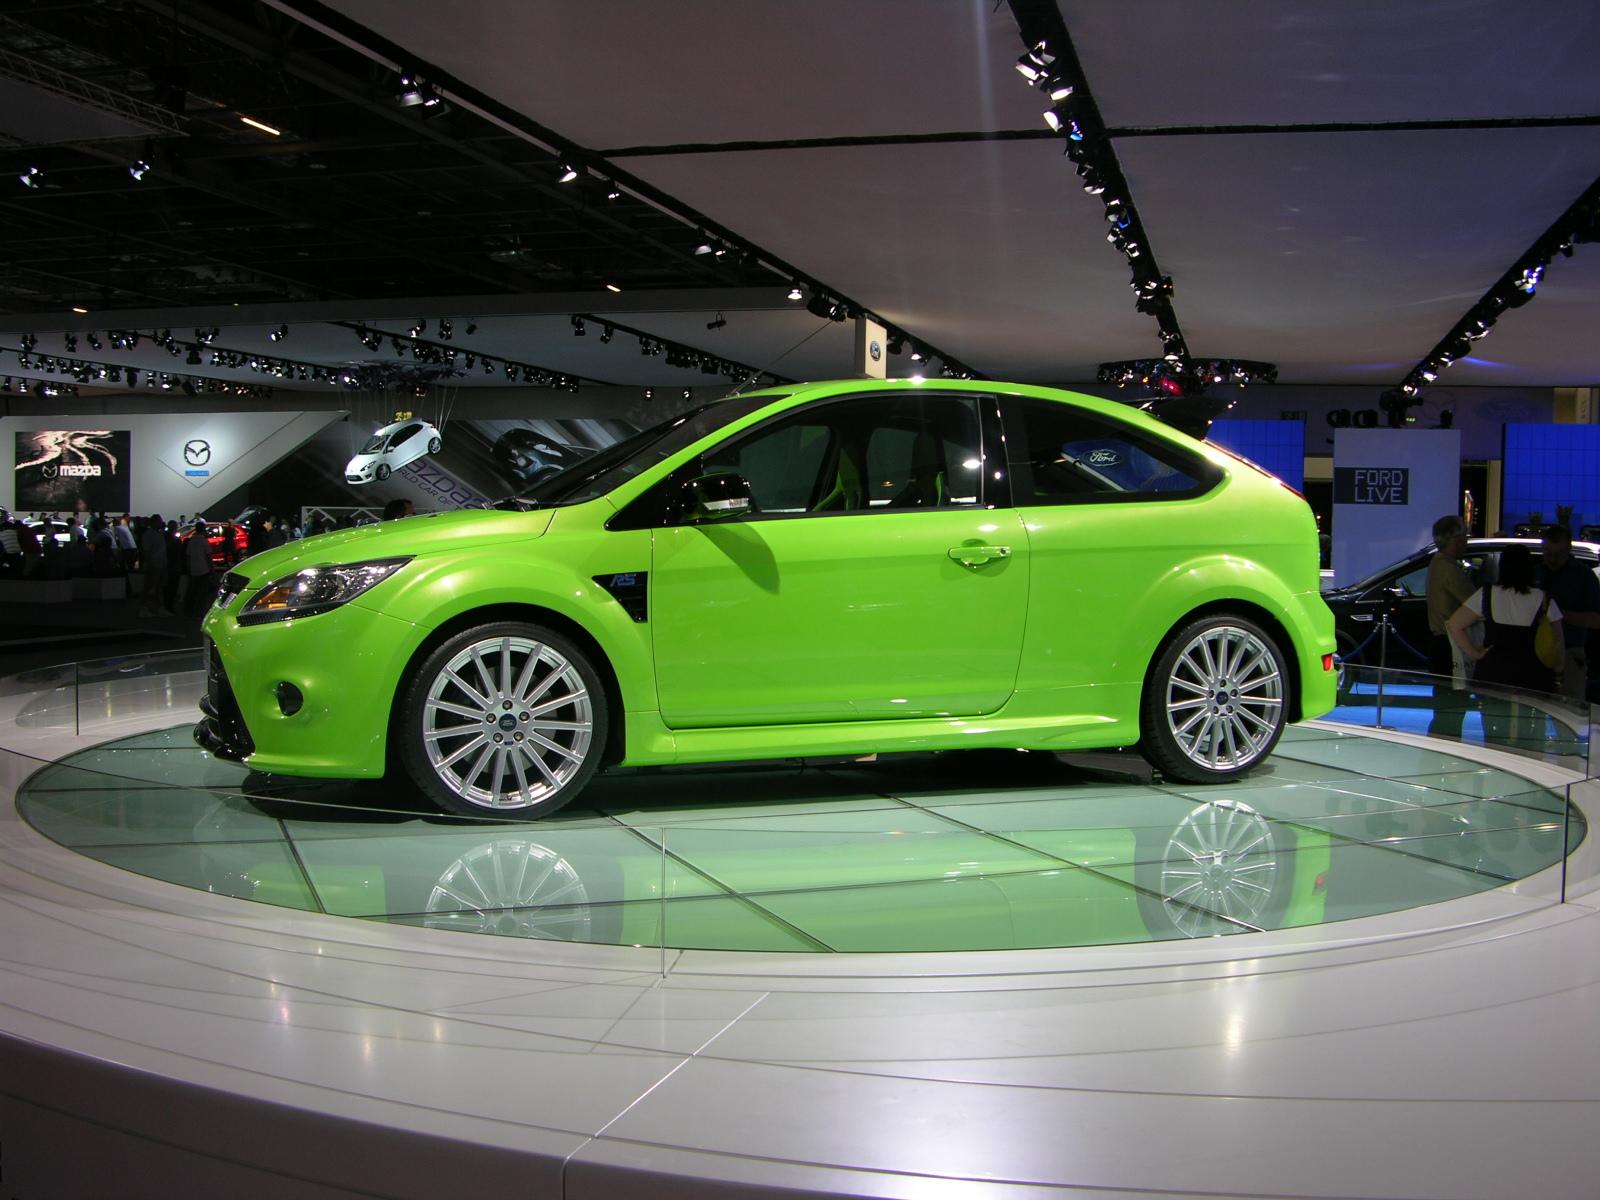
{"x": 343, "y": 666}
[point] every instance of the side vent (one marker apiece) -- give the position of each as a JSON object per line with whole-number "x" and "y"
{"x": 628, "y": 589}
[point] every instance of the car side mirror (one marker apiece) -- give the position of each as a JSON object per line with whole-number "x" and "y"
{"x": 715, "y": 498}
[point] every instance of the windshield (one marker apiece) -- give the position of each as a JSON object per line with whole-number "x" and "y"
{"x": 616, "y": 464}
{"x": 374, "y": 444}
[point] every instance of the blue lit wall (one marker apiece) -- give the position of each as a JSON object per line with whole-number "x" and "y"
{"x": 1547, "y": 465}
{"x": 1276, "y": 446}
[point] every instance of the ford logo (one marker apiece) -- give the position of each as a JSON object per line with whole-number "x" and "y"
{"x": 1104, "y": 458}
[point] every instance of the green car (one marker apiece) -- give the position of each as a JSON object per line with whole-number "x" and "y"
{"x": 831, "y": 569}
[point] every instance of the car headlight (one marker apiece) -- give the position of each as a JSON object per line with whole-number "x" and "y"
{"x": 316, "y": 590}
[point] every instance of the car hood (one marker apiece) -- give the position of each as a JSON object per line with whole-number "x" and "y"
{"x": 361, "y": 460}
{"x": 396, "y": 539}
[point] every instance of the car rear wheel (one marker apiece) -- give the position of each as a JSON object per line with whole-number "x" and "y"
{"x": 1214, "y": 700}
{"x": 506, "y": 719}
{"x": 435, "y": 445}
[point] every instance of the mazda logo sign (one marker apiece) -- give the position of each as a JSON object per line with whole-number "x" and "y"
{"x": 50, "y": 470}
{"x": 197, "y": 453}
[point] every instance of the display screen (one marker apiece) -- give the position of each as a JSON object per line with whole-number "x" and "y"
{"x": 58, "y": 467}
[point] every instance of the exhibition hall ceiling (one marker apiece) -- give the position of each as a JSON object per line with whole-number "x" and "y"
{"x": 1330, "y": 188}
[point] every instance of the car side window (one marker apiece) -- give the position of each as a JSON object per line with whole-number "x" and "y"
{"x": 404, "y": 435}
{"x": 1414, "y": 583}
{"x": 782, "y": 464}
{"x": 859, "y": 454}
{"x": 1061, "y": 454}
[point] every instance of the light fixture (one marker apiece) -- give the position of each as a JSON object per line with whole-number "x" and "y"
{"x": 717, "y": 322}
{"x": 81, "y": 311}
{"x": 278, "y": 334}
{"x": 261, "y": 125}
{"x": 138, "y": 169}
{"x": 94, "y": 338}
{"x": 613, "y": 192}
{"x": 416, "y": 91}
{"x": 702, "y": 248}
{"x": 918, "y": 355}
{"x": 445, "y": 331}
{"x": 795, "y": 293}
{"x": 605, "y": 333}
{"x": 472, "y": 327}
{"x": 33, "y": 177}
{"x": 567, "y": 173}
{"x": 611, "y": 287}
{"x": 578, "y": 329}
{"x": 688, "y": 394}
{"x": 418, "y": 328}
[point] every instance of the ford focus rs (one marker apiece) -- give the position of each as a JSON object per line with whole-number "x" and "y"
{"x": 831, "y": 569}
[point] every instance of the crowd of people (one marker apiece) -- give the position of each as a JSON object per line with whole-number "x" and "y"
{"x": 176, "y": 560}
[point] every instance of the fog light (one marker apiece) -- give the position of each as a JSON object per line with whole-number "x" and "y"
{"x": 290, "y": 699}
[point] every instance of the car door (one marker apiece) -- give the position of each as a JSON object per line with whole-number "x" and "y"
{"x": 870, "y": 580}
{"x": 1104, "y": 507}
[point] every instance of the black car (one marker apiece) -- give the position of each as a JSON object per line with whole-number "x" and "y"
{"x": 1401, "y": 590}
{"x": 526, "y": 454}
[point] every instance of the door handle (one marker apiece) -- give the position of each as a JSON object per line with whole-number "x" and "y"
{"x": 976, "y": 556}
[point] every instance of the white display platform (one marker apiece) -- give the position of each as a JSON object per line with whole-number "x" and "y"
{"x": 160, "y": 1041}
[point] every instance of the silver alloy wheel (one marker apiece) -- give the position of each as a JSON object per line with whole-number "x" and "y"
{"x": 512, "y": 887}
{"x": 507, "y": 723}
{"x": 1224, "y": 698}
{"x": 1220, "y": 869}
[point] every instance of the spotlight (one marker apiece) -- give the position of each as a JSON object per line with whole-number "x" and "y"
{"x": 418, "y": 329}
{"x": 70, "y": 341}
{"x": 194, "y": 357}
{"x": 896, "y": 343}
{"x": 605, "y": 333}
{"x": 278, "y": 334}
{"x": 32, "y": 177}
{"x": 688, "y": 394}
{"x": 702, "y": 248}
{"x": 94, "y": 341}
{"x": 649, "y": 393}
{"x": 611, "y": 287}
{"x": 795, "y": 293}
{"x": 445, "y": 331}
{"x": 472, "y": 327}
{"x": 415, "y": 91}
{"x": 138, "y": 169}
{"x": 613, "y": 192}
{"x": 567, "y": 173}
{"x": 918, "y": 355}
{"x": 717, "y": 322}
{"x": 578, "y": 329}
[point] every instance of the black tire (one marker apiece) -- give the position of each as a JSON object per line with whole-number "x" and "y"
{"x": 435, "y": 445}
{"x": 382, "y": 472}
{"x": 480, "y": 700}
{"x": 1201, "y": 724}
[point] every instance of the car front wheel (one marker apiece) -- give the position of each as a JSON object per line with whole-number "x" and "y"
{"x": 435, "y": 445}
{"x": 506, "y": 719}
{"x": 382, "y": 472}
{"x": 1214, "y": 700}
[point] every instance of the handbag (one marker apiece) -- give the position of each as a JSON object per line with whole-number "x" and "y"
{"x": 1546, "y": 647}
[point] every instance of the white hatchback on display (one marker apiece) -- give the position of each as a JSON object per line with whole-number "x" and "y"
{"x": 391, "y": 448}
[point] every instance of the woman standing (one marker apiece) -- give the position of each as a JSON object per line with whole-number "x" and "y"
{"x": 1510, "y": 611}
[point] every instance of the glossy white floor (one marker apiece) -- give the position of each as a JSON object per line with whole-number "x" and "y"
{"x": 159, "y": 1041}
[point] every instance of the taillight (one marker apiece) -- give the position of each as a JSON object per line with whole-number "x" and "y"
{"x": 1327, "y": 662}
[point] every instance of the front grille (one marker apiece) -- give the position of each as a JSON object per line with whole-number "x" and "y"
{"x": 222, "y": 729}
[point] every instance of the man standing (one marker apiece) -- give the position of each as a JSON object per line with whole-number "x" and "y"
{"x": 153, "y": 563}
{"x": 1574, "y": 588}
{"x": 1449, "y": 585}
